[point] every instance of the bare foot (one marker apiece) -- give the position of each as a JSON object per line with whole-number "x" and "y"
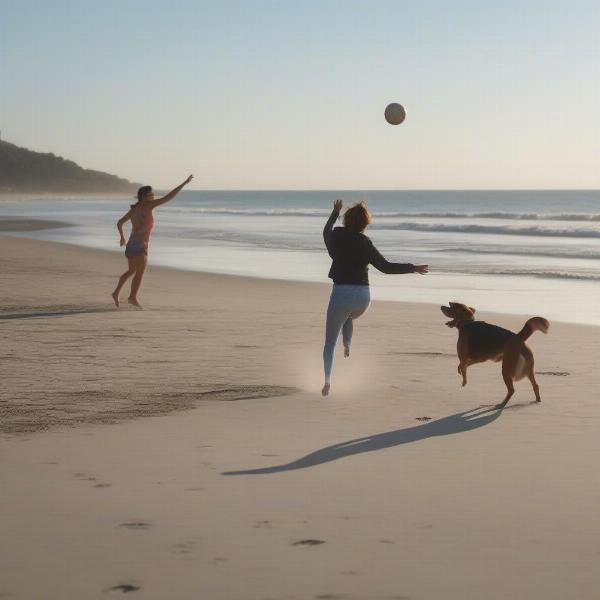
{"x": 325, "y": 390}
{"x": 134, "y": 302}
{"x": 115, "y": 297}
{"x": 346, "y": 351}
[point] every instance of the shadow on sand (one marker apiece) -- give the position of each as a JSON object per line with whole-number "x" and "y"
{"x": 54, "y": 313}
{"x": 457, "y": 423}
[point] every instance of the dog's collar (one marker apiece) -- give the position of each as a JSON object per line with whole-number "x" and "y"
{"x": 463, "y": 323}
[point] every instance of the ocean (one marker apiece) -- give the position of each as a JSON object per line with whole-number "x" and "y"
{"x": 526, "y": 252}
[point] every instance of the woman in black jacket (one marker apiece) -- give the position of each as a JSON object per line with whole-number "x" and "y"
{"x": 351, "y": 252}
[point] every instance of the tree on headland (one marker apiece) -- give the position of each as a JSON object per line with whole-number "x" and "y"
{"x": 23, "y": 170}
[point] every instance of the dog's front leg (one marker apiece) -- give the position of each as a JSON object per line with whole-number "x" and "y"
{"x": 462, "y": 350}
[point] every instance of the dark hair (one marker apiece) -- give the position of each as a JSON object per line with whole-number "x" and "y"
{"x": 141, "y": 193}
{"x": 357, "y": 217}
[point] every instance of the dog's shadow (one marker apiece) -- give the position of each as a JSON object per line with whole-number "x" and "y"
{"x": 456, "y": 423}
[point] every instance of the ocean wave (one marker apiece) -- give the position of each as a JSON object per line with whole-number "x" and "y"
{"x": 549, "y": 253}
{"x": 250, "y": 212}
{"x": 541, "y": 274}
{"x": 585, "y": 218}
{"x": 491, "y": 230}
{"x": 323, "y": 212}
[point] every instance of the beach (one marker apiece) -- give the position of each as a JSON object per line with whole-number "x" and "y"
{"x": 501, "y": 251}
{"x": 184, "y": 450}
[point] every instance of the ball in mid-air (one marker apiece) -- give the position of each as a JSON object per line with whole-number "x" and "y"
{"x": 395, "y": 113}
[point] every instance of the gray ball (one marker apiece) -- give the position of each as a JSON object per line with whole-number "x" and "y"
{"x": 395, "y": 113}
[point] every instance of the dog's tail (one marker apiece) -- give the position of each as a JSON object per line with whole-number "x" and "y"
{"x": 533, "y": 324}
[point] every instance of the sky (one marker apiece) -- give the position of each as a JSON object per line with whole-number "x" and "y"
{"x": 262, "y": 94}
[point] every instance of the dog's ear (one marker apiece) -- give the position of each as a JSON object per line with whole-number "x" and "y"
{"x": 448, "y": 312}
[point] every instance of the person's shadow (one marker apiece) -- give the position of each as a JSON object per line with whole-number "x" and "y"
{"x": 457, "y": 423}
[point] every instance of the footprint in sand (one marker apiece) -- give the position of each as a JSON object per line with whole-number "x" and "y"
{"x": 309, "y": 542}
{"x": 555, "y": 373}
{"x": 183, "y": 548}
{"x": 423, "y": 418}
{"x": 102, "y": 485}
{"x": 123, "y": 588}
{"x": 330, "y": 596}
{"x": 84, "y": 477}
{"x": 196, "y": 489}
{"x": 136, "y": 525}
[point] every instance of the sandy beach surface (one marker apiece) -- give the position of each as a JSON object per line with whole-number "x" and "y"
{"x": 184, "y": 451}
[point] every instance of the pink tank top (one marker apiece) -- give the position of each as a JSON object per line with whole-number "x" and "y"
{"x": 142, "y": 221}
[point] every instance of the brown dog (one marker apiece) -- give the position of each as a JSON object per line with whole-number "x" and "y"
{"x": 479, "y": 341}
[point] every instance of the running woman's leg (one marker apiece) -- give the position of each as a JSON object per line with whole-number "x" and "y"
{"x": 338, "y": 311}
{"x": 347, "y": 330}
{"x": 361, "y": 303}
{"x": 140, "y": 263}
{"x": 130, "y": 271}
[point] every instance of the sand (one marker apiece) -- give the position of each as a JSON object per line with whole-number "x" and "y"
{"x": 184, "y": 451}
{"x": 19, "y": 224}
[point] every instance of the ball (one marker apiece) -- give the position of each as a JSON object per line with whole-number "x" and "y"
{"x": 395, "y": 113}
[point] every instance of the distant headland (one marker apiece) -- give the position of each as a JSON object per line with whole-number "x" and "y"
{"x": 26, "y": 171}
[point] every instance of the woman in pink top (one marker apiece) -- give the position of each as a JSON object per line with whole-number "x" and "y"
{"x": 136, "y": 249}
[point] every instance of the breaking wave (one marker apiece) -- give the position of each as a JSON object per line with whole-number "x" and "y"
{"x": 323, "y": 212}
{"x": 491, "y": 230}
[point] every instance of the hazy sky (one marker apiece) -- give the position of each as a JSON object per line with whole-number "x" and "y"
{"x": 290, "y": 94}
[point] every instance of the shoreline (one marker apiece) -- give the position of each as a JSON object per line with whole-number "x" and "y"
{"x": 27, "y": 224}
{"x": 33, "y": 196}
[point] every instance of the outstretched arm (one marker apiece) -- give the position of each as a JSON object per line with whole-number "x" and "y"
{"x": 335, "y": 213}
{"x": 120, "y": 224}
{"x": 171, "y": 194}
{"x": 391, "y": 268}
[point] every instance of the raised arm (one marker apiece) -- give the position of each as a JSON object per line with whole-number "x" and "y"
{"x": 335, "y": 213}
{"x": 171, "y": 194}
{"x": 120, "y": 224}
{"x": 391, "y": 268}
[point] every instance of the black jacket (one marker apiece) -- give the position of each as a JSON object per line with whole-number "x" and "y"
{"x": 352, "y": 253}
